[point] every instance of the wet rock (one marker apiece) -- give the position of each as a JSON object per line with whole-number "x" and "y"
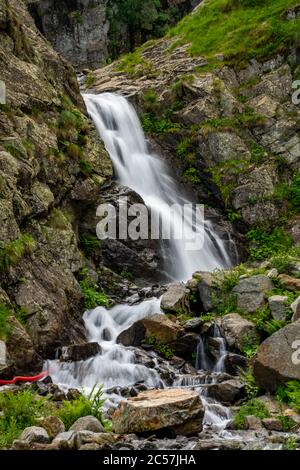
{"x": 87, "y": 423}
{"x": 185, "y": 345}
{"x": 290, "y": 283}
{"x": 52, "y": 424}
{"x": 237, "y": 330}
{"x": 193, "y": 325}
{"x": 229, "y": 391}
{"x": 80, "y": 352}
{"x": 277, "y": 358}
{"x": 251, "y": 292}
{"x": 272, "y": 424}
{"x": 35, "y": 434}
{"x": 296, "y": 309}
{"x": 278, "y": 307}
{"x": 234, "y": 362}
{"x": 180, "y": 410}
{"x": 134, "y": 335}
{"x": 65, "y": 440}
{"x": 164, "y": 330}
{"x": 177, "y": 362}
{"x": 73, "y": 394}
{"x": 141, "y": 357}
{"x": 175, "y": 300}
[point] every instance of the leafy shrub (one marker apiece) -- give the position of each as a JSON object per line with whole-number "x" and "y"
{"x": 83, "y": 406}
{"x": 166, "y": 350}
{"x": 263, "y": 244}
{"x": 290, "y": 394}
{"x": 18, "y": 411}
{"x": 155, "y": 125}
{"x": 253, "y": 407}
{"x": 90, "y": 244}
{"x": 92, "y": 296}
{"x": 252, "y": 389}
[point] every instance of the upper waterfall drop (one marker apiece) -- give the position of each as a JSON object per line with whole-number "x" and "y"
{"x": 149, "y": 176}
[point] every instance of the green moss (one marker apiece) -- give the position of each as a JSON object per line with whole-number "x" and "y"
{"x": 90, "y": 80}
{"x": 191, "y": 175}
{"x": 14, "y": 150}
{"x": 158, "y": 125}
{"x": 4, "y": 326}
{"x": 238, "y": 30}
{"x": 13, "y": 252}
{"x": 135, "y": 65}
{"x": 59, "y": 219}
{"x": 253, "y": 407}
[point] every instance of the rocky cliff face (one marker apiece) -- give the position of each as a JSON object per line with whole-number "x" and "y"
{"x": 88, "y": 32}
{"x": 51, "y": 164}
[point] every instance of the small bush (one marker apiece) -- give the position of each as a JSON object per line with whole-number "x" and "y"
{"x": 4, "y": 326}
{"x": 14, "y": 251}
{"x": 290, "y": 394}
{"x": 90, "y": 245}
{"x": 92, "y": 296}
{"x": 253, "y": 407}
{"x": 155, "y": 125}
{"x": 166, "y": 350}
{"x": 90, "y": 80}
{"x": 252, "y": 389}
{"x": 18, "y": 411}
{"x": 83, "y": 406}
{"x": 263, "y": 244}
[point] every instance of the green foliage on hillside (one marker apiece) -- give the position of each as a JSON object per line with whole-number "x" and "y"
{"x": 238, "y": 29}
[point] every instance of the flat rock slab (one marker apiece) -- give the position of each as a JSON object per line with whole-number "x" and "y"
{"x": 178, "y": 409}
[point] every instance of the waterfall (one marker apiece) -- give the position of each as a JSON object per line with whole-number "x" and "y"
{"x": 149, "y": 176}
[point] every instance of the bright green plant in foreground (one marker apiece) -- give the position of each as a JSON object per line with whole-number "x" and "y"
{"x": 264, "y": 244}
{"x": 90, "y": 405}
{"x": 93, "y": 297}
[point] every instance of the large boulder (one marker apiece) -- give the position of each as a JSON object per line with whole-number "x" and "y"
{"x": 277, "y": 360}
{"x": 251, "y": 292}
{"x": 175, "y": 299}
{"x": 35, "y": 434}
{"x": 228, "y": 391}
{"x": 238, "y": 331}
{"x": 177, "y": 409}
{"x": 207, "y": 289}
{"x": 134, "y": 335}
{"x": 296, "y": 309}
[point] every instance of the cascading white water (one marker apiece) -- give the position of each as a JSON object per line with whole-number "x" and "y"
{"x": 135, "y": 167}
{"x": 145, "y": 173}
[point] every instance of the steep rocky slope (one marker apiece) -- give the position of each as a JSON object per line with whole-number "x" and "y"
{"x": 88, "y": 32}
{"x": 51, "y": 164}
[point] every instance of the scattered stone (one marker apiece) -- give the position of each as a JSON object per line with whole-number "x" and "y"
{"x": 193, "y": 325}
{"x": 290, "y": 283}
{"x": 80, "y": 352}
{"x": 253, "y": 423}
{"x": 18, "y": 444}
{"x": 87, "y": 423}
{"x": 234, "y": 362}
{"x": 100, "y": 439}
{"x": 278, "y": 307}
{"x": 229, "y": 391}
{"x": 277, "y": 360}
{"x": 272, "y": 424}
{"x": 176, "y": 299}
{"x": 238, "y": 331}
{"x": 35, "y": 434}
{"x": 52, "y": 424}
{"x": 273, "y": 273}
{"x": 296, "y": 309}
{"x": 251, "y": 292}
{"x": 178, "y": 409}
{"x": 65, "y": 440}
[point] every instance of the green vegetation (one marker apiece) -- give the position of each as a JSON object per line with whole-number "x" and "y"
{"x": 135, "y": 65}
{"x": 289, "y": 192}
{"x": 158, "y": 125}
{"x": 90, "y": 80}
{"x": 253, "y": 407}
{"x": 90, "y": 405}
{"x": 290, "y": 444}
{"x": 90, "y": 245}
{"x": 59, "y": 219}
{"x": 290, "y": 394}
{"x": 18, "y": 411}
{"x": 191, "y": 175}
{"x": 248, "y": 119}
{"x": 264, "y": 244}
{"x": 14, "y": 251}
{"x": 252, "y": 389}
{"x": 92, "y": 296}
{"x": 238, "y": 29}
{"x": 166, "y": 350}
{"x": 4, "y": 326}
{"x": 250, "y": 346}
{"x": 14, "y": 150}
{"x": 287, "y": 423}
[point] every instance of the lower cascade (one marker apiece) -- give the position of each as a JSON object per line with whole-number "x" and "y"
{"x": 119, "y": 367}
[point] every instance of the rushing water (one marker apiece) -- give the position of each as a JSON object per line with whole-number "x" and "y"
{"x": 148, "y": 175}
{"x": 144, "y": 172}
